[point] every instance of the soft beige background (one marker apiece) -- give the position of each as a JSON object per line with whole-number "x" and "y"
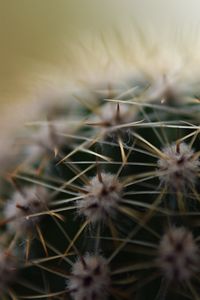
{"x": 35, "y": 33}
{"x": 35, "y": 38}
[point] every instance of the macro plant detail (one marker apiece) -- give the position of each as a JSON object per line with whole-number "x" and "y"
{"x": 178, "y": 254}
{"x": 105, "y": 200}
{"x": 90, "y": 278}
{"x": 31, "y": 200}
{"x": 179, "y": 166}
{"x": 101, "y": 200}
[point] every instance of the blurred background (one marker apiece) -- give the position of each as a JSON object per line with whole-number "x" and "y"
{"x": 36, "y": 38}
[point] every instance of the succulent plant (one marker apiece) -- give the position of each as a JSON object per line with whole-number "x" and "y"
{"x": 105, "y": 201}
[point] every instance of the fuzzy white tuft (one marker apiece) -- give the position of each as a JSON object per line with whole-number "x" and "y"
{"x": 179, "y": 166}
{"x": 113, "y": 116}
{"x": 178, "y": 255}
{"x": 90, "y": 279}
{"x": 102, "y": 198}
{"x": 31, "y": 200}
{"x": 47, "y": 139}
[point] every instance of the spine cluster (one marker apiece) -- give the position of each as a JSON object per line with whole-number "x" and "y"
{"x": 90, "y": 278}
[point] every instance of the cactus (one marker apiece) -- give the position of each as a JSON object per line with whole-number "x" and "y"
{"x": 104, "y": 203}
